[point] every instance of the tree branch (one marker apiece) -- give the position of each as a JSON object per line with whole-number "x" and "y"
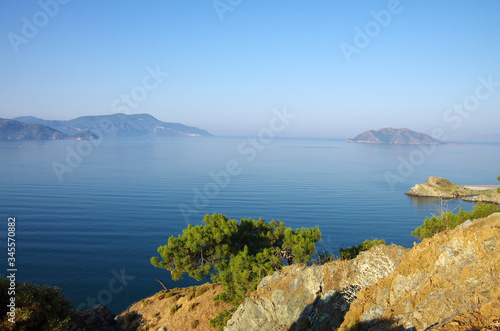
{"x": 166, "y": 289}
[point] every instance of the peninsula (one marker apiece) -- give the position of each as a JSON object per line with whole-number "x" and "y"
{"x": 117, "y": 125}
{"x": 15, "y": 130}
{"x": 437, "y": 187}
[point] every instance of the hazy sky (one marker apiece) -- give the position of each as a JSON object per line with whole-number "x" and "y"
{"x": 342, "y": 67}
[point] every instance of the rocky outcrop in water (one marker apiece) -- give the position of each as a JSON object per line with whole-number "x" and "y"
{"x": 489, "y": 197}
{"x": 438, "y": 187}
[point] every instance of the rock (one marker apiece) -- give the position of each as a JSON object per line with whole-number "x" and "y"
{"x": 98, "y": 318}
{"x": 490, "y": 198}
{"x": 438, "y": 187}
{"x": 315, "y": 297}
{"x": 447, "y": 282}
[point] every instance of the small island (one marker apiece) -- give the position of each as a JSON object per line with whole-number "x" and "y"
{"x": 395, "y": 136}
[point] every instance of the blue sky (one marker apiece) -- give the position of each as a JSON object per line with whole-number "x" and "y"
{"x": 229, "y": 67}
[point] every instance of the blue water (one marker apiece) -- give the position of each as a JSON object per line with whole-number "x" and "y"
{"x": 92, "y": 233}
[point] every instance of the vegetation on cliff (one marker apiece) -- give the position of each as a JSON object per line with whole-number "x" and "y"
{"x": 36, "y": 307}
{"x": 446, "y": 220}
{"x": 351, "y": 252}
{"x": 235, "y": 254}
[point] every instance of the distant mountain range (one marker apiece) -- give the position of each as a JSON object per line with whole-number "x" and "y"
{"x": 394, "y": 136}
{"x": 116, "y": 125}
{"x": 15, "y": 130}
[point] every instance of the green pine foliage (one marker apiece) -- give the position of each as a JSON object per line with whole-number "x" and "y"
{"x": 235, "y": 254}
{"x": 37, "y": 307}
{"x": 446, "y": 220}
{"x": 351, "y": 252}
{"x": 498, "y": 188}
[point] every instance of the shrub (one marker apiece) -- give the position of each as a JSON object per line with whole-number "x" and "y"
{"x": 201, "y": 289}
{"x": 194, "y": 323}
{"x": 351, "y": 252}
{"x": 446, "y": 220}
{"x": 190, "y": 296}
{"x": 174, "y": 308}
{"x": 220, "y": 321}
{"x": 130, "y": 317}
{"x": 37, "y": 307}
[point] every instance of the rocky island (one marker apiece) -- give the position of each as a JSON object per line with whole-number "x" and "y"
{"x": 394, "y": 136}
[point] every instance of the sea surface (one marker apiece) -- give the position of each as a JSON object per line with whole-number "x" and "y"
{"x": 89, "y": 216}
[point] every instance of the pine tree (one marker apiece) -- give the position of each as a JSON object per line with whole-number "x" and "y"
{"x": 235, "y": 254}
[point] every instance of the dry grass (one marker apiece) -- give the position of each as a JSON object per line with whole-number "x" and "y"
{"x": 177, "y": 309}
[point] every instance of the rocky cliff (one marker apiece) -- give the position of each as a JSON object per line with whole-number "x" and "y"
{"x": 448, "y": 282}
{"x": 316, "y": 297}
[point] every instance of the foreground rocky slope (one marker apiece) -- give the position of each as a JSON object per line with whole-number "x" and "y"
{"x": 448, "y": 282}
{"x": 177, "y": 309}
{"x": 316, "y": 297}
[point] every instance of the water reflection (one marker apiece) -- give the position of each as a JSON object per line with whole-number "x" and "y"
{"x": 436, "y": 205}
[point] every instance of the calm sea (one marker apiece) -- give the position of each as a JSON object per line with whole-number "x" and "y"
{"x": 92, "y": 229}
